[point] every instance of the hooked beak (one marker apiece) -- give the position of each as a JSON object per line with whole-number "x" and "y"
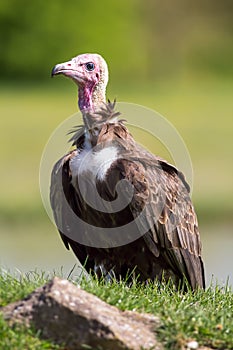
{"x": 56, "y": 70}
{"x": 68, "y": 69}
{"x": 62, "y": 68}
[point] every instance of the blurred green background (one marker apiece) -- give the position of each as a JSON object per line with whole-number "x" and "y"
{"x": 174, "y": 57}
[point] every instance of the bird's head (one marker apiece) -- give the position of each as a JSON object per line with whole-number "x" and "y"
{"x": 90, "y": 73}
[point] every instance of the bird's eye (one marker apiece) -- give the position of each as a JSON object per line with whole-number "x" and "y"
{"x": 90, "y": 66}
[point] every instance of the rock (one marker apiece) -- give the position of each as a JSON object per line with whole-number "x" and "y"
{"x": 68, "y": 315}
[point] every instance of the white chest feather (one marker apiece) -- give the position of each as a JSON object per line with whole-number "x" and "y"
{"x": 93, "y": 163}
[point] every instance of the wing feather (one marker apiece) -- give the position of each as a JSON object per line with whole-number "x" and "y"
{"x": 169, "y": 213}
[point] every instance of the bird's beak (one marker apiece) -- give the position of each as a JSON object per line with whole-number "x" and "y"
{"x": 70, "y": 69}
{"x": 66, "y": 68}
{"x": 56, "y": 70}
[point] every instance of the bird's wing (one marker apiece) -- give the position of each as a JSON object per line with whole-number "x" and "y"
{"x": 175, "y": 228}
{"x": 161, "y": 200}
{"x": 65, "y": 205}
{"x": 56, "y": 195}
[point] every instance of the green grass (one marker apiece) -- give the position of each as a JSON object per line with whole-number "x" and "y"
{"x": 14, "y": 288}
{"x": 204, "y": 316}
{"x": 20, "y": 338}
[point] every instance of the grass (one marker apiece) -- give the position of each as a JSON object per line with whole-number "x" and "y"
{"x": 18, "y": 337}
{"x": 204, "y": 316}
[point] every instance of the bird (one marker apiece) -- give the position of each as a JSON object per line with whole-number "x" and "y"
{"x": 122, "y": 210}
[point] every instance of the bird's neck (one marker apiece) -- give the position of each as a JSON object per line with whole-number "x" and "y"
{"x": 90, "y": 98}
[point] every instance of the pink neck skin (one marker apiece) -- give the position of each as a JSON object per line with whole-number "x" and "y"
{"x": 85, "y": 98}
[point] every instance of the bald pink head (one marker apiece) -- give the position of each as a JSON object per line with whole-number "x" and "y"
{"x": 90, "y": 73}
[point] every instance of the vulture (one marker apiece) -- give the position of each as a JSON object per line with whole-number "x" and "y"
{"x": 122, "y": 210}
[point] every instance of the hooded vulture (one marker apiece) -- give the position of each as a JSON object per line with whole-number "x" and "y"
{"x": 122, "y": 210}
